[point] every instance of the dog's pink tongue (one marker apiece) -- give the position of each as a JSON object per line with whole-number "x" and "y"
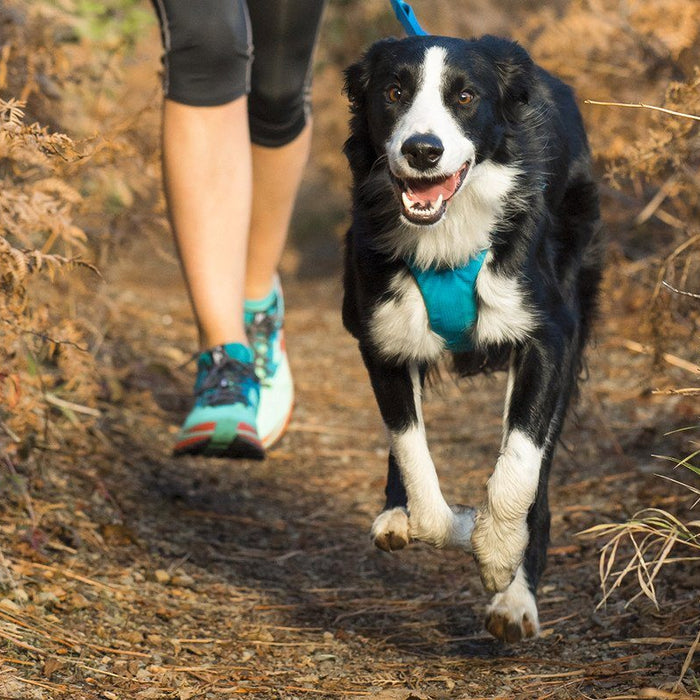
{"x": 429, "y": 192}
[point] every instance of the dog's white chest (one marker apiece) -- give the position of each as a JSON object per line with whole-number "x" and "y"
{"x": 504, "y": 315}
{"x": 400, "y": 327}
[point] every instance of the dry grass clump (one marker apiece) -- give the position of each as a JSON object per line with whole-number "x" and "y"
{"x": 654, "y": 535}
{"x": 642, "y": 547}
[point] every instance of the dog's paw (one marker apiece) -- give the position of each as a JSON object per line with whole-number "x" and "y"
{"x": 512, "y": 615}
{"x": 390, "y": 530}
{"x": 511, "y": 626}
{"x": 499, "y": 547}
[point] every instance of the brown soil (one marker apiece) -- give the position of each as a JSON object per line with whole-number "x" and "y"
{"x": 200, "y": 578}
{"x": 129, "y": 574}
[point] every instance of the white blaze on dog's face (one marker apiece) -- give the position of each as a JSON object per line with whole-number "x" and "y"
{"x": 428, "y": 151}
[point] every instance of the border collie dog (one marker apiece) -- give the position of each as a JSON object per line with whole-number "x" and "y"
{"x": 475, "y": 234}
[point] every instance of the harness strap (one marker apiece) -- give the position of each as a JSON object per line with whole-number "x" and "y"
{"x": 450, "y": 300}
{"x": 404, "y": 13}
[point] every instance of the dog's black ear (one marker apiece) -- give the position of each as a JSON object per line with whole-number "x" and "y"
{"x": 359, "y": 149}
{"x": 357, "y": 75}
{"x": 515, "y": 73}
{"x": 356, "y": 81}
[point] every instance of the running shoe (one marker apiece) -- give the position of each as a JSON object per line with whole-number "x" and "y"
{"x": 222, "y": 422}
{"x": 264, "y": 320}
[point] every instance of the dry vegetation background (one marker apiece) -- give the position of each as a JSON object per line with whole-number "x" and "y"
{"x": 83, "y": 233}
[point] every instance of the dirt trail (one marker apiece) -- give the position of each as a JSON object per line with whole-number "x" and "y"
{"x": 151, "y": 577}
{"x": 204, "y": 578}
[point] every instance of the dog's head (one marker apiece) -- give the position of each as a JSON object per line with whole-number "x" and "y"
{"x": 434, "y": 108}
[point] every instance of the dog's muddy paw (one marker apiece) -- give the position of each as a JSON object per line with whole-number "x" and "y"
{"x": 506, "y": 628}
{"x": 390, "y": 530}
{"x": 512, "y": 615}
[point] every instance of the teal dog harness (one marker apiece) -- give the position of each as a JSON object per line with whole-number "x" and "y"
{"x": 449, "y": 296}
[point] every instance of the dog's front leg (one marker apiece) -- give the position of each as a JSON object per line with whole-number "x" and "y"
{"x": 516, "y": 511}
{"x": 415, "y": 508}
{"x": 501, "y": 535}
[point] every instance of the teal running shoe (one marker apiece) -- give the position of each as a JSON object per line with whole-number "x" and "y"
{"x": 264, "y": 320}
{"x": 222, "y": 422}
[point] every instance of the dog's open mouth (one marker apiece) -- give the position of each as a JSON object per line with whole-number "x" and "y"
{"x": 424, "y": 201}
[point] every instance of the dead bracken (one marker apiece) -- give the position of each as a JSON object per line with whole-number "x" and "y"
{"x": 125, "y": 574}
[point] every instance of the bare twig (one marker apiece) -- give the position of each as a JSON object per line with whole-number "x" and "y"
{"x": 656, "y": 201}
{"x": 689, "y": 391}
{"x": 688, "y": 660}
{"x": 641, "y": 105}
{"x": 691, "y": 241}
{"x": 681, "y": 291}
{"x": 634, "y": 346}
{"x": 43, "y": 336}
{"x": 71, "y": 405}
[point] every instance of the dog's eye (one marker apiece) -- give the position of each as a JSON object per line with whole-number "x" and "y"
{"x": 393, "y": 94}
{"x": 465, "y": 97}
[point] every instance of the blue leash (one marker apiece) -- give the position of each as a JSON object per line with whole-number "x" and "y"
{"x": 404, "y": 13}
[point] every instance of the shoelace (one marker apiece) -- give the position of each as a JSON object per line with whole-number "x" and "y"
{"x": 227, "y": 381}
{"x": 260, "y": 333}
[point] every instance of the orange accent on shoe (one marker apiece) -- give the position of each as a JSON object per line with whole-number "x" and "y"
{"x": 188, "y": 442}
{"x": 202, "y": 427}
{"x": 248, "y": 433}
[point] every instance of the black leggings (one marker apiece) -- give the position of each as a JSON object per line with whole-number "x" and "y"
{"x": 209, "y": 59}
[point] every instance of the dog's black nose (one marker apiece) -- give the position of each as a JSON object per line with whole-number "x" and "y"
{"x": 422, "y": 151}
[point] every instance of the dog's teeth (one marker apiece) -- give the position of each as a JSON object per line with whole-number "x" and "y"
{"x": 424, "y": 210}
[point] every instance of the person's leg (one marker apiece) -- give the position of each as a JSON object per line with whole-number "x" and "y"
{"x": 277, "y": 174}
{"x": 207, "y": 167}
{"x": 206, "y": 154}
{"x": 207, "y": 173}
{"x": 284, "y": 34}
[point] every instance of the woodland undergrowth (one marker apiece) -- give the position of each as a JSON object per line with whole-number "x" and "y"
{"x": 61, "y": 199}
{"x": 79, "y": 175}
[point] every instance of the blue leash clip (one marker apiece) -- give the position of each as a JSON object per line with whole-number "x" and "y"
{"x": 404, "y": 13}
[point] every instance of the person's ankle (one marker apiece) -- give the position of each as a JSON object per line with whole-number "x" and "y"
{"x": 261, "y": 291}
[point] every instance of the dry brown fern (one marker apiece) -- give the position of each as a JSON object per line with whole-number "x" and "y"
{"x": 37, "y": 348}
{"x": 64, "y": 198}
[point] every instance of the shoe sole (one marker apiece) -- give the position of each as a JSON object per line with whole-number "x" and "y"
{"x": 238, "y": 449}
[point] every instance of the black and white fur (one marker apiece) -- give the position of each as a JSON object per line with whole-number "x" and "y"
{"x": 508, "y": 137}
